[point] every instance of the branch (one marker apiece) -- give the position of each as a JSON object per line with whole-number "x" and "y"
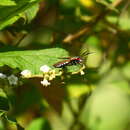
{"x": 87, "y": 28}
{"x": 74, "y": 36}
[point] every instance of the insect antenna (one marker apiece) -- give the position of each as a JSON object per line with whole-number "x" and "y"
{"x": 84, "y": 54}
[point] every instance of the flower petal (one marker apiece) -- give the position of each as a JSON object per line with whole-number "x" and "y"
{"x": 13, "y": 80}
{"x": 45, "y": 82}
{"x": 26, "y": 73}
{"x": 45, "y": 68}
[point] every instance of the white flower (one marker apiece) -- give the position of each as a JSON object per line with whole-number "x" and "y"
{"x": 26, "y": 73}
{"x": 82, "y": 72}
{"x": 2, "y": 76}
{"x": 45, "y": 68}
{"x": 45, "y": 82}
{"x": 13, "y": 80}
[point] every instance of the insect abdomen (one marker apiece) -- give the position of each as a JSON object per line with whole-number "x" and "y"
{"x": 61, "y": 65}
{"x": 69, "y": 62}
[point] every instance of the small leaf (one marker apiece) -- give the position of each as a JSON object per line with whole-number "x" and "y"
{"x": 76, "y": 90}
{"x": 2, "y": 113}
{"x": 126, "y": 70}
{"x": 31, "y": 12}
{"x": 39, "y": 124}
{"x": 9, "y": 21}
{"x": 124, "y": 20}
{"x": 4, "y": 104}
{"x": 14, "y": 12}
{"x": 7, "y": 2}
{"x": 93, "y": 41}
{"x": 1, "y": 125}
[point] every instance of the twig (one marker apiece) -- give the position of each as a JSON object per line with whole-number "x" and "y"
{"x": 87, "y": 28}
{"x": 71, "y": 37}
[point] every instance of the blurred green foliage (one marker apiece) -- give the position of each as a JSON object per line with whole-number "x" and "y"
{"x": 34, "y": 33}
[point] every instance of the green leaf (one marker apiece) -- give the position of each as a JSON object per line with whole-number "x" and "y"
{"x": 113, "y": 76}
{"x": 69, "y": 4}
{"x": 8, "y": 22}
{"x": 31, "y": 12}
{"x": 39, "y": 124}
{"x": 107, "y": 4}
{"x": 112, "y": 18}
{"x": 7, "y": 2}
{"x": 76, "y": 90}
{"x": 4, "y": 104}
{"x": 14, "y": 12}
{"x": 93, "y": 41}
{"x": 73, "y": 68}
{"x": 33, "y": 59}
{"x": 126, "y": 70}
{"x": 124, "y": 20}
{"x": 9, "y": 122}
{"x": 107, "y": 109}
{"x": 1, "y": 125}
